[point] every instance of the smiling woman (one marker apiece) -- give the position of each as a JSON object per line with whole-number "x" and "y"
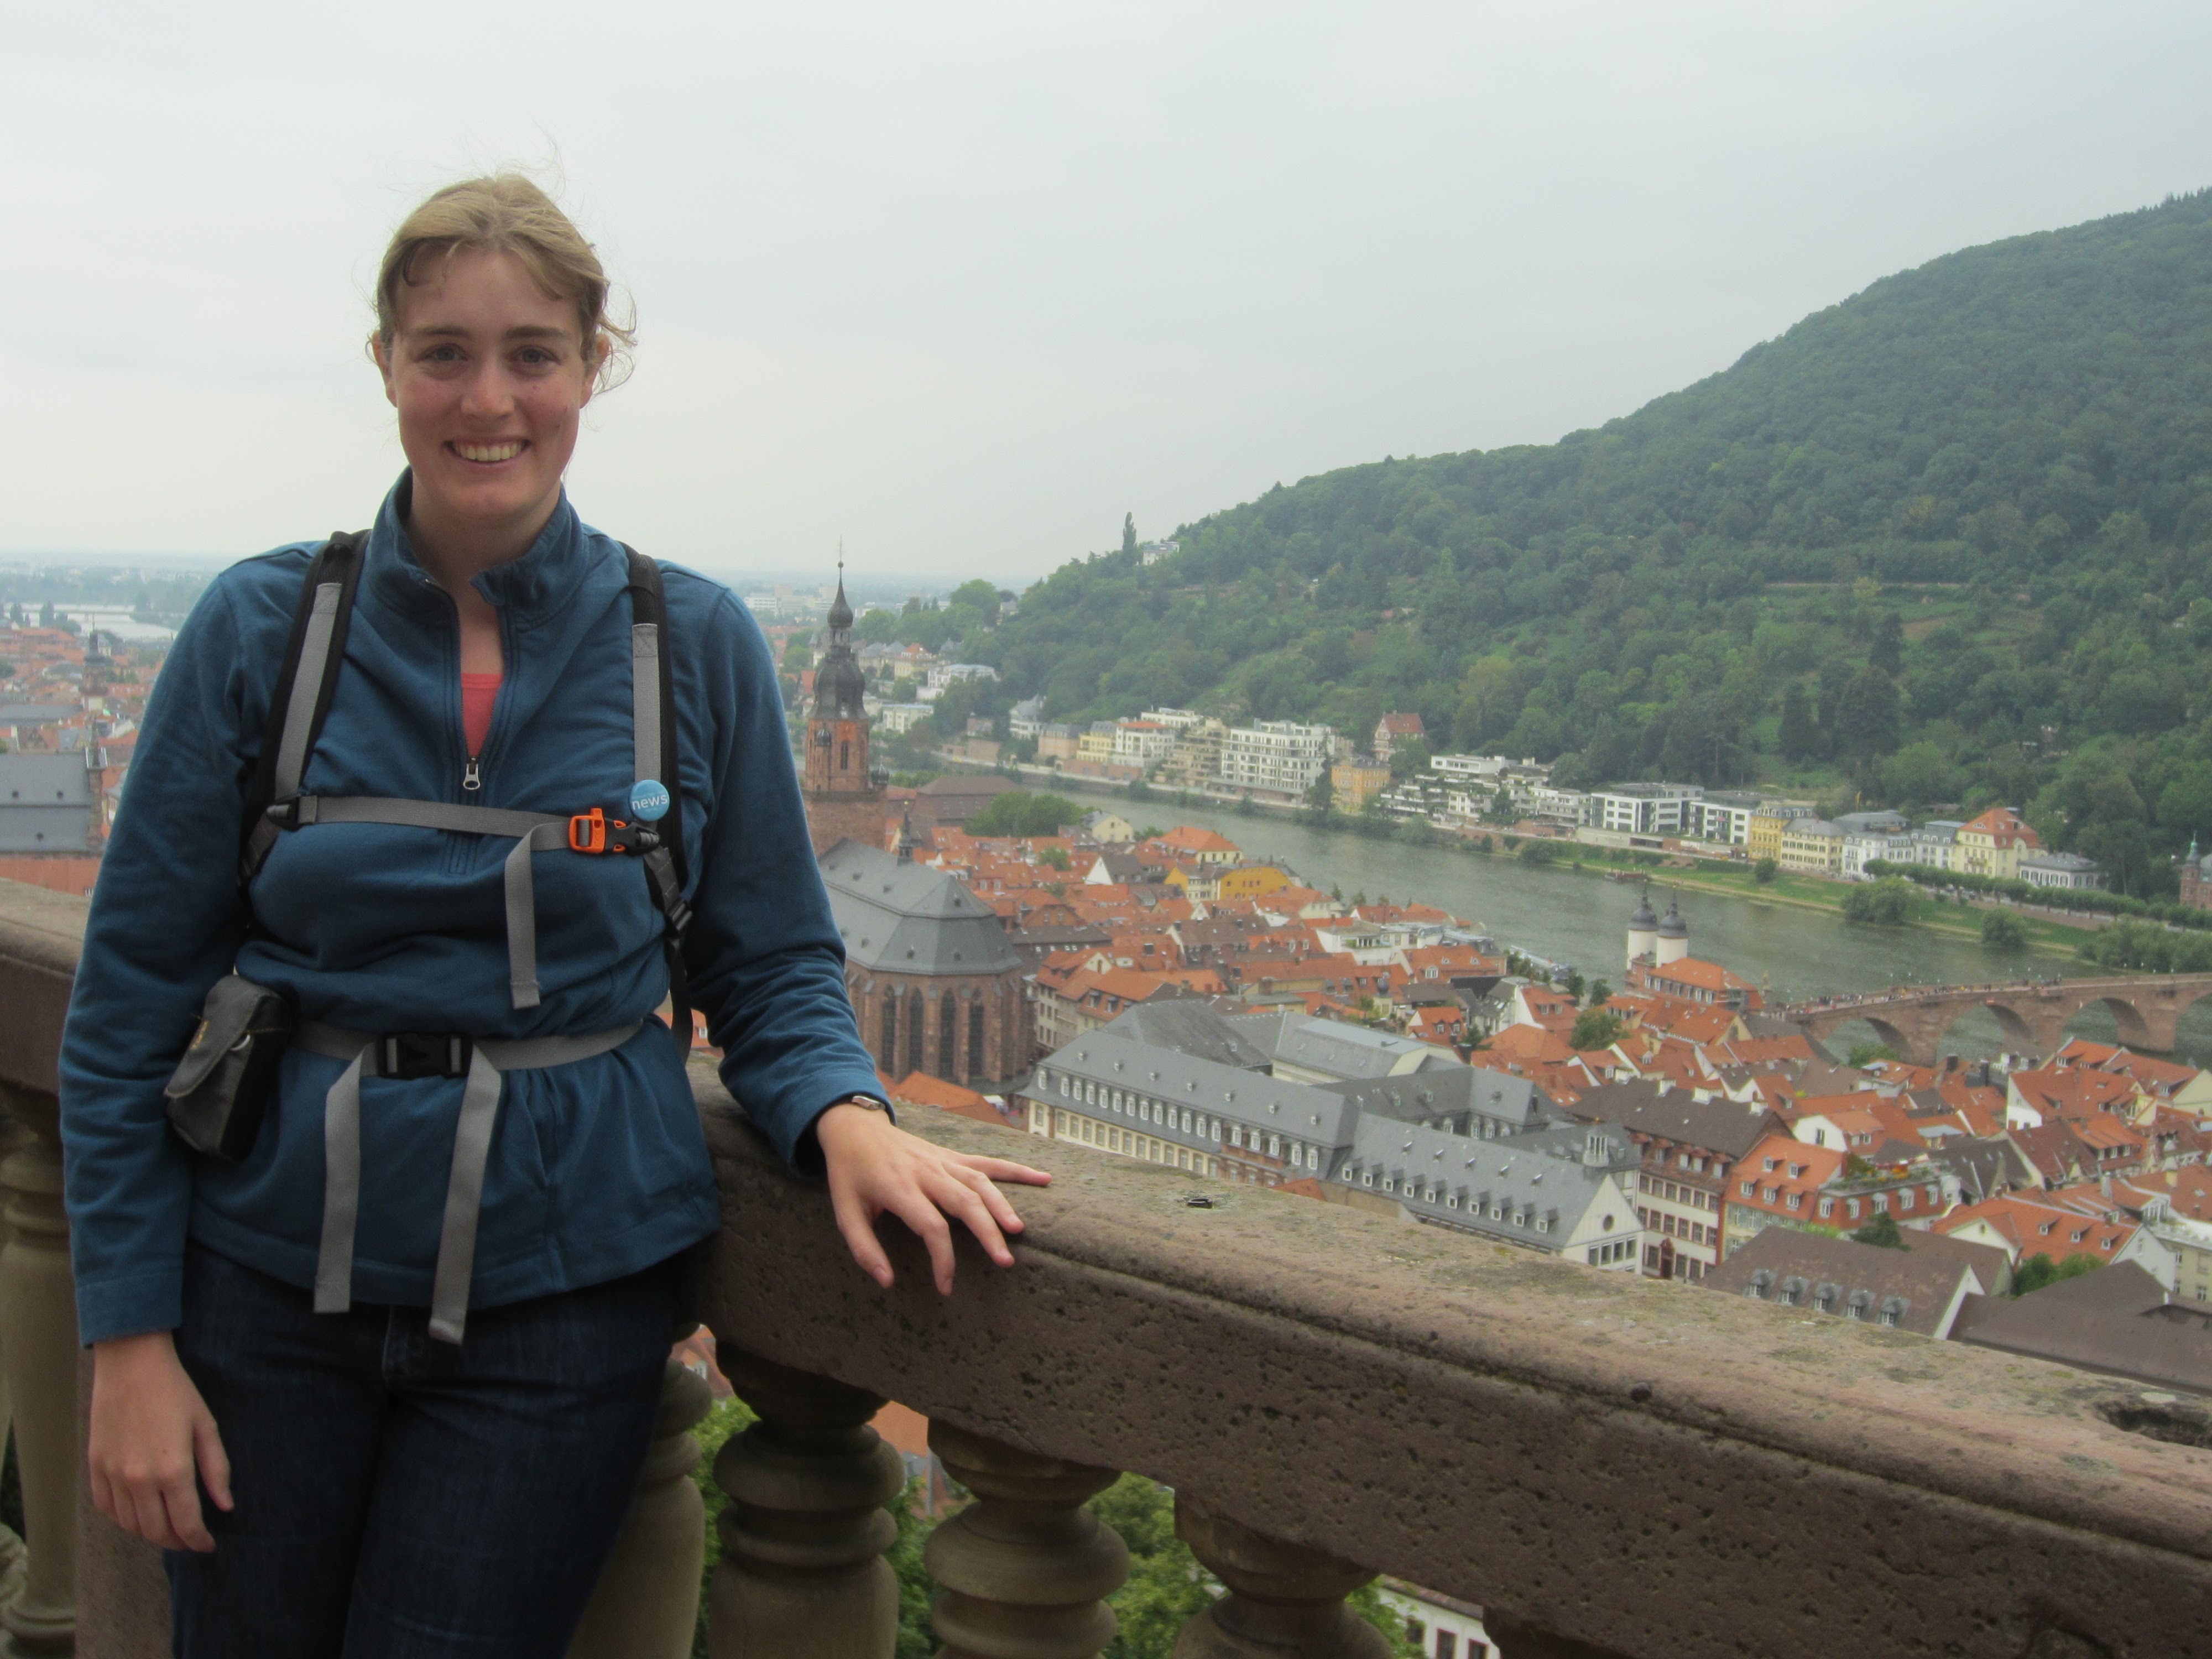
{"x": 393, "y": 1298}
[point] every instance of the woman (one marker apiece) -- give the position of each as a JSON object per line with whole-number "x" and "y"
{"x": 416, "y": 1413}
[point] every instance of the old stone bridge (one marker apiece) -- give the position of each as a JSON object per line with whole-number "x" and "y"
{"x": 2034, "y": 1013}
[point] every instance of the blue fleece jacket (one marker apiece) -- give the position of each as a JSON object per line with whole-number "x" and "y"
{"x": 597, "y": 1169}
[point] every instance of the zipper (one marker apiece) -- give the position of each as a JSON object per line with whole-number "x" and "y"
{"x": 472, "y": 776}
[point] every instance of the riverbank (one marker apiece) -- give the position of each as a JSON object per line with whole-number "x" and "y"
{"x": 2047, "y": 935}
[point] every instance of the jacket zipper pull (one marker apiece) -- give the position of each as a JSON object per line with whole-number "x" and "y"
{"x": 472, "y": 776}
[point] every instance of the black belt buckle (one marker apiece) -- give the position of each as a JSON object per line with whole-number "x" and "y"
{"x": 423, "y": 1053}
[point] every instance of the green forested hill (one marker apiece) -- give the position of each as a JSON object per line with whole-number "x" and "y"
{"x": 1946, "y": 542}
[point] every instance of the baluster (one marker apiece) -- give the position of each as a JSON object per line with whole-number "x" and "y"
{"x": 1284, "y": 1599}
{"x": 803, "y": 1574}
{"x": 646, "y": 1603}
{"x": 1023, "y": 1569}
{"x": 39, "y": 1350}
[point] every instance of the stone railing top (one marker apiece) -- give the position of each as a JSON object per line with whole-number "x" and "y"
{"x": 40, "y": 934}
{"x": 1648, "y": 1467}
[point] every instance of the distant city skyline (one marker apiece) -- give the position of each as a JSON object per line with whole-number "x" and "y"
{"x": 967, "y": 284}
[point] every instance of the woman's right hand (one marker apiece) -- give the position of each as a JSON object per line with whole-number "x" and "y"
{"x": 153, "y": 1443}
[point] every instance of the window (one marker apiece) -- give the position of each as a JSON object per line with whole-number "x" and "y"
{"x": 1747, "y": 1190}
{"x": 1447, "y": 1645}
{"x": 1904, "y": 1199}
{"x": 1853, "y": 1209}
{"x": 890, "y": 1031}
{"x": 1824, "y": 1298}
{"x": 948, "y": 1037}
{"x": 1827, "y": 1208}
{"x": 971, "y": 1063}
{"x": 1861, "y": 1304}
{"x": 1893, "y": 1310}
{"x": 1793, "y": 1292}
{"x": 1757, "y": 1285}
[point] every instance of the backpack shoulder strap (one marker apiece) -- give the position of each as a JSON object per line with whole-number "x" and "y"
{"x": 652, "y": 703}
{"x": 301, "y": 698}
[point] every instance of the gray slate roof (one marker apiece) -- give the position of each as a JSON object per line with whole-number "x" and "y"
{"x": 45, "y": 803}
{"x": 1296, "y": 1110}
{"x": 910, "y": 918}
{"x": 1504, "y": 1188}
{"x": 1923, "y": 1282}
{"x": 1718, "y": 1125}
{"x": 1458, "y": 1092}
{"x": 1190, "y": 1026}
{"x": 1341, "y": 1050}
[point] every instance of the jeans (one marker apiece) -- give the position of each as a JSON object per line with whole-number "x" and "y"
{"x": 401, "y": 1499}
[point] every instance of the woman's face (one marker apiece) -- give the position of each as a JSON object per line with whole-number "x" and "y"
{"x": 488, "y": 375}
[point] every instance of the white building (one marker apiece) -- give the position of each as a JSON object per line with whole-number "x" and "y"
{"x": 1026, "y": 718}
{"x": 1644, "y": 809}
{"x": 901, "y": 716}
{"x": 945, "y": 673}
{"x": 1176, "y": 720}
{"x": 1722, "y": 816}
{"x": 2069, "y": 870}
{"x": 1278, "y": 755}
{"x": 1141, "y": 743}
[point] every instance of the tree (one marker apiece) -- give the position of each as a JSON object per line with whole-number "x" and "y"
{"x": 1322, "y": 793}
{"x": 1596, "y": 1027}
{"x": 1600, "y": 995}
{"x": 1764, "y": 872}
{"x": 1054, "y": 856}
{"x": 1800, "y": 736}
{"x": 1015, "y": 813}
{"x": 1887, "y": 652}
{"x": 2039, "y": 1270}
{"x": 1883, "y": 1233}
{"x": 1576, "y": 983}
{"x": 1129, "y": 532}
{"x": 1864, "y": 1054}
{"x": 1889, "y": 903}
{"x": 2002, "y": 931}
{"x": 1409, "y": 758}
{"x": 1867, "y": 716}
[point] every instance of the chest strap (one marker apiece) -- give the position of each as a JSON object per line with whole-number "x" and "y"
{"x": 419, "y": 1054}
{"x": 533, "y": 832}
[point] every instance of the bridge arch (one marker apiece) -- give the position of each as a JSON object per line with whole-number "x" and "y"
{"x": 2134, "y": 1031}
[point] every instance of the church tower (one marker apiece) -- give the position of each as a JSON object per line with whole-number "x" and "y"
{"x": 844, "y": 798}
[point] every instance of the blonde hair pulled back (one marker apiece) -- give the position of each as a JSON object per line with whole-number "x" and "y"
{"x": 508, "y": 213}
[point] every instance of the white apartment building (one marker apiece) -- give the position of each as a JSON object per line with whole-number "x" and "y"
{"x": 1280, "y": 756}
{"x": 1724, "y": 815}
{"x": 2068, "y": 870}
{"x": 1142, "y": 743}
{"x": 901, "y": 716}
{"x": 1644, "y": 808}
{"x": 1026, "y": 718}
{"x": 945, "y": 673}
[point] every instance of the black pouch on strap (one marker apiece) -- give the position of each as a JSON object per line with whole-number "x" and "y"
{"x": 221, "y": 1088}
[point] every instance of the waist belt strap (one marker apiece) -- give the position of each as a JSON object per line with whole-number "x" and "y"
{"x": 534, "y": 832}
{"x": 372, "y": 1056}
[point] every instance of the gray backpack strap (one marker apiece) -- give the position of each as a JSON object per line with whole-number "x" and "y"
{"x": 301, "y": 697}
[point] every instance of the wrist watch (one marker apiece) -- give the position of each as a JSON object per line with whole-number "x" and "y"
{"x": 865, "y": 1103}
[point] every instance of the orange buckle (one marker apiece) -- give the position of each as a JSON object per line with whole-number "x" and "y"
{"x": 587, "y": 832}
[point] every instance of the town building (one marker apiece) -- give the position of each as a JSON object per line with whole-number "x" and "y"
{"x": 1994, "y": 844}
{"x": 2069, "y": 871}
{"x": 1643, "y": 809}
{"x": 1355, "y": 782}
{"x": 1278, "y": 757}
{"x": 1394, "y": 730}
{"x": 1922, "y": 1288}
{"x": 1811, "y": 846}
{"x": 934, "y": 982}
{"x": 1567, "y": 1190}
{"x": 50, "y": 803}
{"x": 1762, "y": 837}
{"x": 1194, "y": 761}
{"x": 1689, "y": 1145}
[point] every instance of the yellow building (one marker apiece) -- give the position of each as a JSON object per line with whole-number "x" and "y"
{"x": 1354, "y": 783}
{"x": 1994, "y": 844}
{"x": 1095, "y": 746}
{"x": 1813, "y": 846}
{"x": 1764, "y": 839}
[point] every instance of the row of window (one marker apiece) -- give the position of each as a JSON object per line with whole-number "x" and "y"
{"x": 951, "y": 1065}
{"x": 1675, "y": 1193}
{"x": 1794, "y": 1291}
{"x": 1089, "y": 1132}
{"x": 1619, "y": 1250}
{"x": 1167, "y": 1115}
{"x": 1696, "y": 1161}
{"x": 1511, "y": 1212}
{"x": 1658, "y": 1221}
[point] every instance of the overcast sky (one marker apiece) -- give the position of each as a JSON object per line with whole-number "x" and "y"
{"x": 964, "y": 283}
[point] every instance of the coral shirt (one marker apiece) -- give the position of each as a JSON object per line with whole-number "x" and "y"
{"x": 478, "y": 693}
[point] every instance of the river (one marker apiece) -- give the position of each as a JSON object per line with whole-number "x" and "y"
{"x": 1579, "y": 918}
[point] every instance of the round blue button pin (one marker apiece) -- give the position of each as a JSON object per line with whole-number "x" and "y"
{"x": 648, "y": 800}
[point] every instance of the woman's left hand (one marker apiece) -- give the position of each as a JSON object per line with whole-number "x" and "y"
{"x": 876, "y": 1166}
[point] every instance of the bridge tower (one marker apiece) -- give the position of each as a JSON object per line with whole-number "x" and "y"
{"x": 1673, "y": 936}
{"x": 1642, "y": 930}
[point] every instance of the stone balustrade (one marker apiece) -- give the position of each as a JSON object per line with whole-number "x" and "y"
{"x": 1607, "y": 1465}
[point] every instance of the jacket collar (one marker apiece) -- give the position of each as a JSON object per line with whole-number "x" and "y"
{"x": 530, "y": 589}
